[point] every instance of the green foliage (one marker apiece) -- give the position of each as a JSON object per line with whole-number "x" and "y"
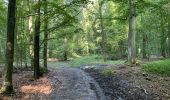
{"x": 79, "y": 22}
{"x": 84, "y": 60}
{"x": 43, "y": 71}
{"x": 107, "y": 72}
{"x": 95, "y": 59}
{"x": 159, "y": 67}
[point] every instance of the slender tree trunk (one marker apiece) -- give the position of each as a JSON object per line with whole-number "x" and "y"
{"x": 103, "y": 47}
{"x": 30, "y": 28}
{"x": 21, "y": 44}
{"x": 45, "y": 34}
{"x": 31, "y": 52}
{"x": 169, "y": 33}
{"x": 0, "y": 53}
{"x": 144, "y": 46}
{"x": 7, "y": 82}
{"x": 87, "y": 43}
{"x": 131, "y": 35}
{"x": 15, "y": 41}
{"x": 163, "y": 37}
{"x": 24, "y": 45}
{"x": 36, "y": 42}
{"x": 65, "y": 48}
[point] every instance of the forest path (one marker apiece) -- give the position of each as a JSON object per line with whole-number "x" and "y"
{"x": 118, "y": 82}
{"x": 74, "y": 84}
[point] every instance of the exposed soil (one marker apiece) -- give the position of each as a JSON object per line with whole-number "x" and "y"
{"x": 130, "y": 83}
{"x": 75, "y": 84}
{"x": 64, "y": 83}
{"x": 28, "y": 89}
{"x": 58, "y": 84}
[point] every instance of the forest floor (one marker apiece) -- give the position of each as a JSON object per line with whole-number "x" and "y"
{"x": 122, "y": 82}
{"x": 90, "y": 82}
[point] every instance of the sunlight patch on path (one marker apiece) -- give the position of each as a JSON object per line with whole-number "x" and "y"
{"x": 40, "y": 88}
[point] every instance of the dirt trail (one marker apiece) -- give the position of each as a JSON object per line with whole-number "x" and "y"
{"x": 61, "y": 83}
{"x": 74, "y": 84}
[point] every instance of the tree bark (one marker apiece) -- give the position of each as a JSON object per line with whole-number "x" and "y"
{"x": 0, "y": 53}
{"x": 169, "y": 33}
{"x": 131, "y": 35}
{"x": 163, "y": 36}
{"x": 144, "y": 46}
{"x": 30, "y": 26}
{"x": 36, "y": 42}
{"x": 31, "y": 51}
{"x": 103, "y": 44}
{"x": 7, "y": 82}
{"x": 45, "y": 35}
{"x": 65, "y": 48}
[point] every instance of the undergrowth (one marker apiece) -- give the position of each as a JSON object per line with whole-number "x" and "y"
{"x": 107, "y": 72}
{"x": 95, "y": 59}
{"x": 161, "y": 67}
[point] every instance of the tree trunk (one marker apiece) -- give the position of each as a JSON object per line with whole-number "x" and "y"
{"x": 163, "y": 36}
{"x": 65, "y": 48}
{"x": 30, "y": 26}
{"x": 7, "y": 82}
{"x": 31, "y": 52}
{"x": 144, "y": 46}
{"x": 0, "y": 54}
{"x": 131, "y": 35}
{"x": 169, "y": 33}
{"x": 36, "y": 42}
{"x": 103, "y": 44}
{"x": 45, "y": 35}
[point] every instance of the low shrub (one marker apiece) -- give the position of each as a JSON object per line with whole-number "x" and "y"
{"x": 159, "y": 67}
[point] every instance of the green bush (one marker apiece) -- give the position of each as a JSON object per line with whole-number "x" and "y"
{"x": 84, "y": 60}
{"x": 43, "y": 71}
{"x": 107, "y": 72}
{"x": 159, "y": 67}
